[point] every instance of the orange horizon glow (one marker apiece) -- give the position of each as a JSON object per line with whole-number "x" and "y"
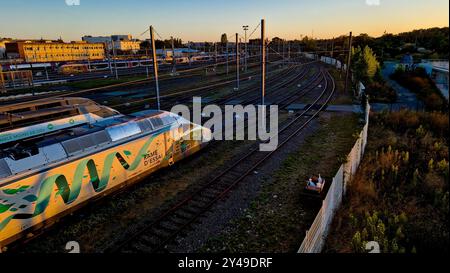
{"x": 201, "y": 20}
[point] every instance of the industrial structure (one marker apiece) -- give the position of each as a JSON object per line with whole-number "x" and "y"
{"x": 54, "y": 51}
{"x": 115, "y": 42}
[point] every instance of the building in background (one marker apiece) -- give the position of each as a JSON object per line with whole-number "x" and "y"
{"x": 126, "y": 37}
{"x": 54, "y": 51}
{"x": 3, "y": 42}
{"x": 124, "y": 43}
{"x": 96, "y": 39}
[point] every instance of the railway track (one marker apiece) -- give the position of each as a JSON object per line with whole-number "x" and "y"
{"x": 157, "y": 235}
{"x": 186, "y": 73}
{"x": 164, "y": 77}
{"x": 185, "y": 96}
{"x": 295, "y": 76}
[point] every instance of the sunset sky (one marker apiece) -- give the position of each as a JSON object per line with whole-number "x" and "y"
{"x": 201, "y": 20}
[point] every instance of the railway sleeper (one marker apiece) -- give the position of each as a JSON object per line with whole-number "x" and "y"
{"x": 223, "y": 184}
{"x": 204, "y": 199}
{"x": 176, "y": 220}
{"x": 210, "y": 194}
{"x": 192, "y": 210}
{"x": 170, "y": 225}
{"x": 161, "y": 232}
{"x": 137, "y": 247}
{"x": 184, "y": 214}
{"x": 198, "y": 203}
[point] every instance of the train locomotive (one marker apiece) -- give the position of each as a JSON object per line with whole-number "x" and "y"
{"x": 57, "y": 155}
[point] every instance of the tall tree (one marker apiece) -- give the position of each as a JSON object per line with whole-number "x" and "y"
{"x": 223, "y": 39}
{"x": 365, "y": 65}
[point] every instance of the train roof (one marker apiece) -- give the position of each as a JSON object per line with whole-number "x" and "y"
{"x": 31, "y": 153}
{"x": 23, "y": 114}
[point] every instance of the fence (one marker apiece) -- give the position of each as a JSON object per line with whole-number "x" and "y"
{"x": 316, "y": 235}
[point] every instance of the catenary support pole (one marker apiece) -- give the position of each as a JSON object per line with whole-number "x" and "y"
{"x": 155, "y": 66}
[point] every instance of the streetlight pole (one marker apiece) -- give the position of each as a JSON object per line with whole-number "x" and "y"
{"x": 215, "y": 56}
{"x": 189, "y": 54}
{"x": 226, "y": 48}
{"x": 147, "y": 58}
{"x": 245, "y": 44}
{"x": 114, "y": 58}
{"x": 88, "y": 59}
{"x": 349, "y": 57}
{"x": 155, "y": 66}
{"x": 174, "y": 61}
{"x": 263, "y": 62}
{"x": 237, "y": 61}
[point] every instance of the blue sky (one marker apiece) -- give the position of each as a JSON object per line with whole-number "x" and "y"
{"x": 200, "y": 20}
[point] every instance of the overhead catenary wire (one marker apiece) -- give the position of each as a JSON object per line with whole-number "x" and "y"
{"x": 156, "y": 32}
{"x": 254, "y": 31}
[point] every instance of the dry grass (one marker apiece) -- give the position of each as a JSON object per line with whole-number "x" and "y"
{"x": 404, "y": 175}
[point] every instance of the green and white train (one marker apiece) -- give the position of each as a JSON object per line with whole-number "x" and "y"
{"x": 57, "y": 155}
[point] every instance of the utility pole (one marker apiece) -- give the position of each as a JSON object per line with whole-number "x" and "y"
{"x": 107, "y": 44}
{"x": 245, "y": 44}
{"x": 146, "y": 67}
{"x": 289, "y": 51}
{"x": 189, "y": 54}
{"x": 240, "y": 57}
{"x": 114, "y": 59}
{"x": 349, "y": 57}
{"x": 332, "y": 48}
{"x": 263, "y": 62}
{"x": 332, "y": 51}
{"x": 46, "y": 73}
{"x": 174, "y": 60}
{"x": 237, "y": 62}
{"x": 88, "y": 59}
{"x": 215, "y": 56}
{"x": 226, "y": 48}
{"x": 155, "y": 65}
